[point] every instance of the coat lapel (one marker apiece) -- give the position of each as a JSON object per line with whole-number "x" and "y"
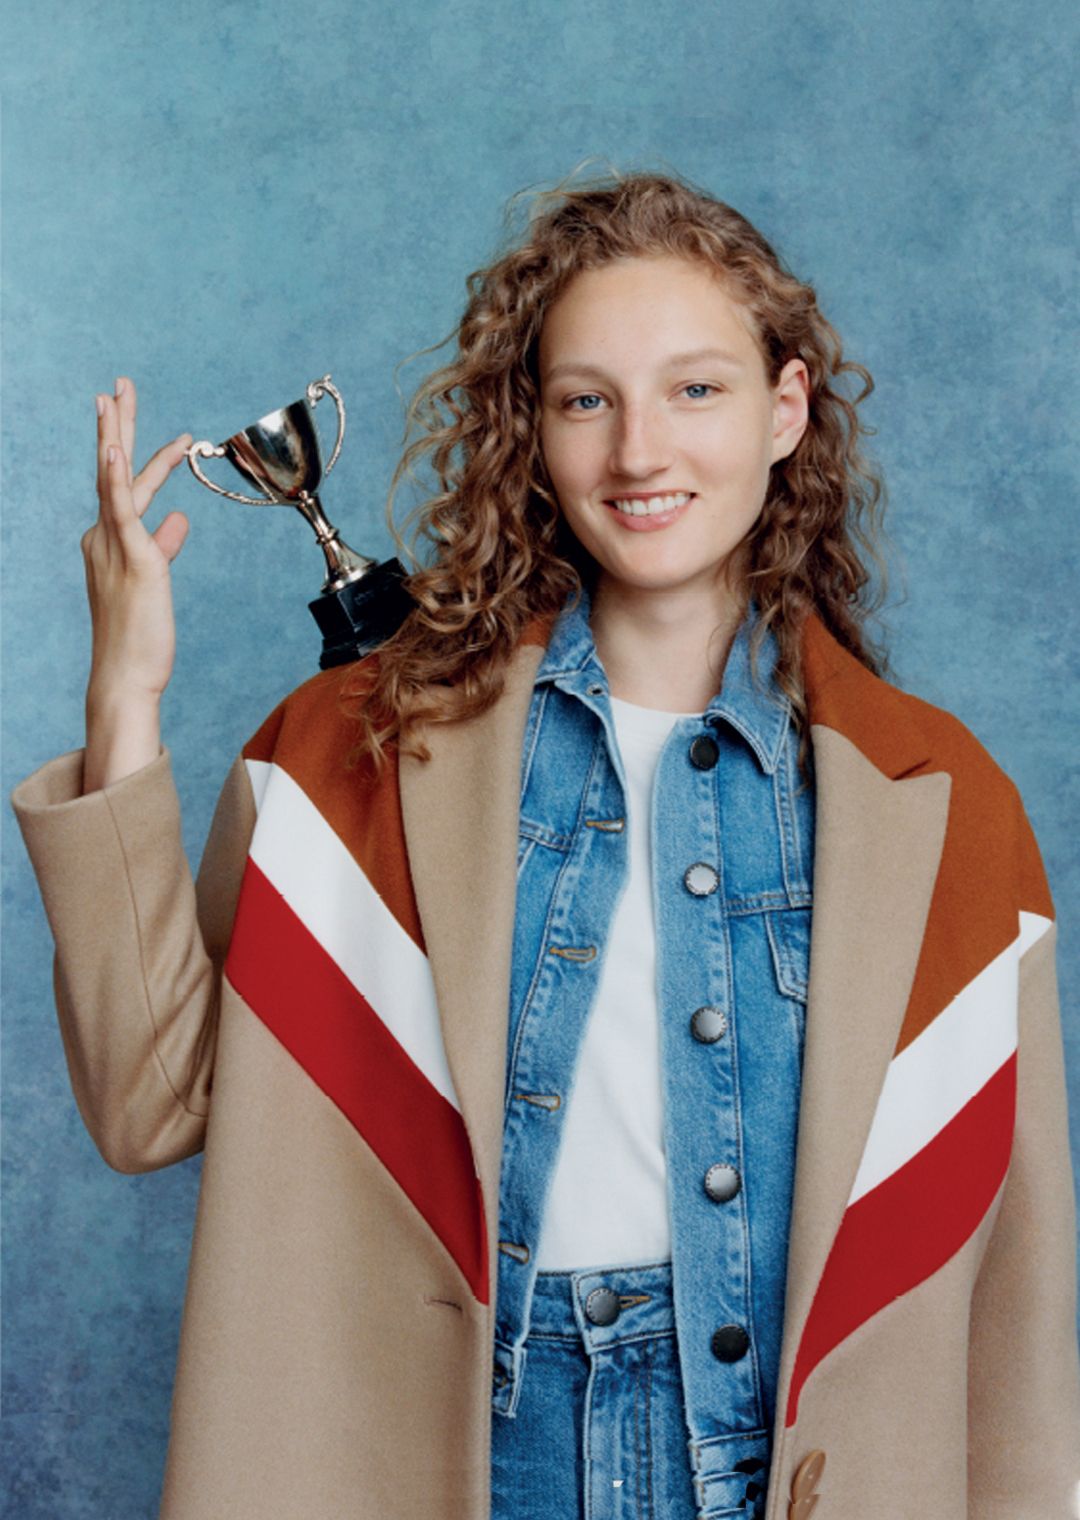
{"x": 460, "y": 816}
{"x": 880, "y": 830}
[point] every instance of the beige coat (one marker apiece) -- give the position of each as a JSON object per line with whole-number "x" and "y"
{"x": 323, "y": 1013}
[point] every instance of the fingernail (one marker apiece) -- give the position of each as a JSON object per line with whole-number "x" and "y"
{"x": 119, "y": 387}
{"x": 112, "y": 453}
{"x": 100, "y": 405}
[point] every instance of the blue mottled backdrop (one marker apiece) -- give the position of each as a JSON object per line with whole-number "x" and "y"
{"x": 227, "y": 201}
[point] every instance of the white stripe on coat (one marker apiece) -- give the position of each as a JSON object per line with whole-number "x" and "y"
{"x": 953, "y": 1058}
{"x": 307, "y": 862}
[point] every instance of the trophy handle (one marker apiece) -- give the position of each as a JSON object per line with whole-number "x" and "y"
{"x": 324, "y": 387}
{"x": 204, "y": 449}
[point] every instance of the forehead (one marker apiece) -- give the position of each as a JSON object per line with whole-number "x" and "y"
{"x": 646, "y": 302}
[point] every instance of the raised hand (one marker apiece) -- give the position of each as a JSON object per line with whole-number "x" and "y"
{"x": 130, "y": 594}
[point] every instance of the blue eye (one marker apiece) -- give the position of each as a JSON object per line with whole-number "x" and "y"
{"x": 698, "y": 385}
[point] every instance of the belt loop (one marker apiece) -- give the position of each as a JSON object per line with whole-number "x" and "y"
{"x": 507, "y": 1374}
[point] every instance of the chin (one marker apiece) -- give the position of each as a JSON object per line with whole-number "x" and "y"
{"x": 662, "y": 579}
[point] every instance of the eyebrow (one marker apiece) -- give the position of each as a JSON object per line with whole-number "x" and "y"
{"x": 695, "y": 356}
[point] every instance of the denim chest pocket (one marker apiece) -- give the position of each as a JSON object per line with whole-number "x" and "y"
{"x": 788, "y": 930}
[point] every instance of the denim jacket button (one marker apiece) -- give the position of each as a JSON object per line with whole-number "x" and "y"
{"x": 602, "y": 1306}
{"x": 729, "y": 1343}
{"x": 722, "y": 1182}
{"x": 701, "y": 879}
{"x": 708, "y": 1023}
{"x": 704, "y": 752}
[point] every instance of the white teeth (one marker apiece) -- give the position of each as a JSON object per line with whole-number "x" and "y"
{"x": 654, "y": 505}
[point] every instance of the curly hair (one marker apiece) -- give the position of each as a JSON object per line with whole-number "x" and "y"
{"x": 503, "y": 555}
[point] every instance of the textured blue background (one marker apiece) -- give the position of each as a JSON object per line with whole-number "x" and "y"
{"x": 225, "y": 202}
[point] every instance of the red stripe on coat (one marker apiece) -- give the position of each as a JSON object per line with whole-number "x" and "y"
{"x": 895, "y": 1236}
{"x": 304, "y": 998}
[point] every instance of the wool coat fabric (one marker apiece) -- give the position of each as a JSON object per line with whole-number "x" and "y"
{"x": 322, "y": 1013}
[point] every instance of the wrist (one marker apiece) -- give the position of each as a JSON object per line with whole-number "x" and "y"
{"x": 105, "y": 698}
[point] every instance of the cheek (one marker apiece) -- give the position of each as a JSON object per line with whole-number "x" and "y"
{"x": 570, "y": 461}
{"x": 576, "y": 521}
{"x": 555, "y": 452}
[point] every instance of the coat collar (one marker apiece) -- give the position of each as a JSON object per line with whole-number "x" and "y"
{"x": 880, "y": 823}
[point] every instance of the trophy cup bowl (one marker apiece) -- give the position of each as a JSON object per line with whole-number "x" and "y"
{"x": 280, "y": 454}
{"x": 361, "y": 603}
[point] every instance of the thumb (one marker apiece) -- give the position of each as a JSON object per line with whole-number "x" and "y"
{"x": 171, "y": 533}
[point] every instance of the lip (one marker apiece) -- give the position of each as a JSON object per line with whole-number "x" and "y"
{"x": 645, "y": 524}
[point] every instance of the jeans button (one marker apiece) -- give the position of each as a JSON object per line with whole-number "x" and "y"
{"x": 602, "y": 1306}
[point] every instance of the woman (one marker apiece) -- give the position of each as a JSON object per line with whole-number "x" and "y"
{"x": 560, "y": 1184}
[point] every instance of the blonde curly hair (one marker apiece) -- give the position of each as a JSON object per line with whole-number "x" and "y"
{"x": 502, "y": 554}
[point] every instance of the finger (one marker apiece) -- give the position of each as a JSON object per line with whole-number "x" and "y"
{"x": 126, "y": 407}
{"x": 156, "y": 471}
{"x": 108, "y": 433}
{"x": 121, "y": 509}
{"x": 116, "y": 432}
{"x": 102, "y": 402}
{"x": 171, "y": 533}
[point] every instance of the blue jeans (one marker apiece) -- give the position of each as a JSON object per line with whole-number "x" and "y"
{"x": 600, "y": 1428}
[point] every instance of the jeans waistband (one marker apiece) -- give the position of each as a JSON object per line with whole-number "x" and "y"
{"x": 603, "y": 1306}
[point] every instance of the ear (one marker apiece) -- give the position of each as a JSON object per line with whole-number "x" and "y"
{"x": 791, "y": 408}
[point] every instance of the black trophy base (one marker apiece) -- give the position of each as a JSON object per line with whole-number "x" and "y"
{"x": 362, "y": 615}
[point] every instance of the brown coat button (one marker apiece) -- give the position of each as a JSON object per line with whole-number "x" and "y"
{"x": 804, "y": 1481}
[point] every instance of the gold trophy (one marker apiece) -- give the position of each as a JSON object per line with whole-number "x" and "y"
{"x": 362, "y": 603}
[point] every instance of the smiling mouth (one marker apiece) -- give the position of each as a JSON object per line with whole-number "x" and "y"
{"x": 653, "y": 506}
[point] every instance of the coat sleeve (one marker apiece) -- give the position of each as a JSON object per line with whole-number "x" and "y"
{"x": 139, "y": 947}
{"x": 1024, "y": 1363}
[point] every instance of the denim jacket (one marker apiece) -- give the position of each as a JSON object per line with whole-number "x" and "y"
{"x": 733, "y": 846}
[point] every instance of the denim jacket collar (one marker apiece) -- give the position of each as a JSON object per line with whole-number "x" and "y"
{"x": 759, "y": 713}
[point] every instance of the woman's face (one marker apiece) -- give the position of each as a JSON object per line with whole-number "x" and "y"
{"x": 634, "y": 409}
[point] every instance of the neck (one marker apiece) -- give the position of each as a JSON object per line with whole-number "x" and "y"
{"x": 664, "y": 649}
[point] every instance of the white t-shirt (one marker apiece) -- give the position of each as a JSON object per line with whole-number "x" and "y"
{"x": 608, "y": 1200}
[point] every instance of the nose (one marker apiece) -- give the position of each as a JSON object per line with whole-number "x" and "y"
{"x": 641, "y": 444}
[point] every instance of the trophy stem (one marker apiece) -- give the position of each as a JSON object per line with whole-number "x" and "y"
{"x": 343, "y": 564}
